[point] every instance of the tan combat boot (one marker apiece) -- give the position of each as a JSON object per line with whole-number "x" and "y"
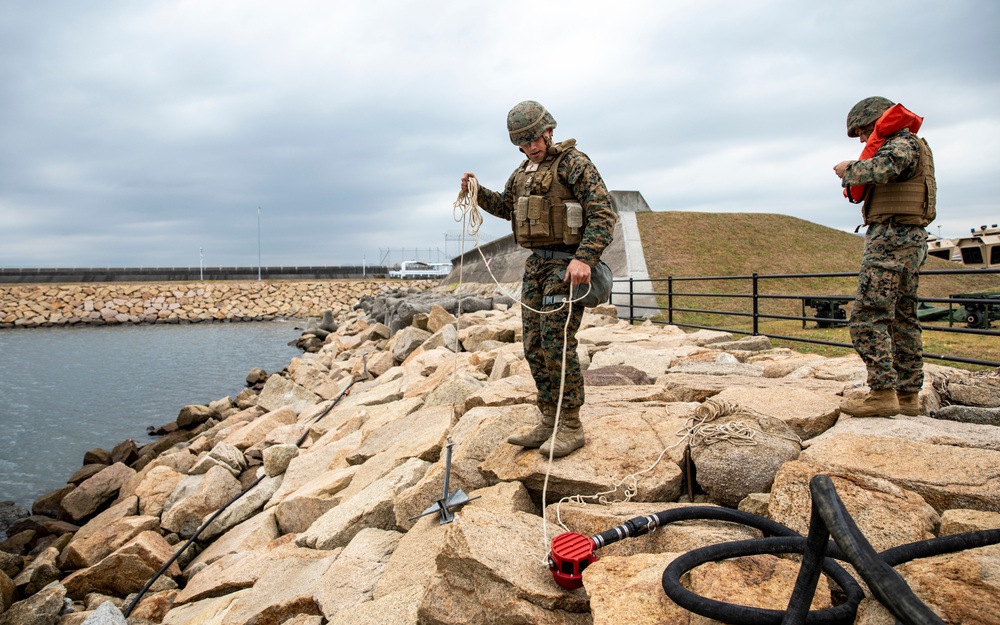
{"x": 909, "y": 403}
{"x": 569, "y": 438}
{"x": 542, "y": 432}
{"x": 881, "y": 403}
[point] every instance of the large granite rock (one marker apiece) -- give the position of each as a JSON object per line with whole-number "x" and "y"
{"x": 94, "y": 492}
{"x": 737, "y": 451}
{"x": 944, "y": 475}
{"x": 196, "y": 497}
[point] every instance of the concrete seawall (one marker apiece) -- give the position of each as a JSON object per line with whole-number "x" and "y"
{"x": 46, "y": 305}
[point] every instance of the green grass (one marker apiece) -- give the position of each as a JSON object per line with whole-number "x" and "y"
{"x": 688, "y": 244}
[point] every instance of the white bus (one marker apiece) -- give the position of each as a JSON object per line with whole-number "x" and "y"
{"x": 415, "y": 269}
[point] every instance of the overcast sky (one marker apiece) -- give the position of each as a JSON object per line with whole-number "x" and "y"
{"x": 182, "y": 132}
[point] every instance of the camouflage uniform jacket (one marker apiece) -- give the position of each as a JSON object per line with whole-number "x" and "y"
{"x": 897, "y": 159}
{"x": 577, "y": 172}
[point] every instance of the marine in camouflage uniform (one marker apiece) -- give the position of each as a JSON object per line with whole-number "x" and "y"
{"x": 529, "y": 125}
{"x": 884, "y": 327}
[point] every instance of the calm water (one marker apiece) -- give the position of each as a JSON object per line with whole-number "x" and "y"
{"x": 64, "y": 391}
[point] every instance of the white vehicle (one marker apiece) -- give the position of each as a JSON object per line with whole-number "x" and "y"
{"x": 415, "y": 270}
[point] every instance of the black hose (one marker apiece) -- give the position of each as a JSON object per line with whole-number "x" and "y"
{"x": 745, "y": 615}
{"x": 787, "y": 541}
{"x": 178, "y": 552}
{"x": 829, "y": 517}
{"x": 939, "y": 546}
{"x": 804, "y": 590}
{"x": 644, "y": 524}
{"x": 214, "y": 516}
{"x": 886, "y": 584}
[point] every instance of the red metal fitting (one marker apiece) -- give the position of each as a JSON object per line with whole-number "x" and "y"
{"x": 571, "y": 553}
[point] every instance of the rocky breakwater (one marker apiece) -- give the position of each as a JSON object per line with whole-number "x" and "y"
{"x": 338, "y": 456}
{"x": 45, "y": 305}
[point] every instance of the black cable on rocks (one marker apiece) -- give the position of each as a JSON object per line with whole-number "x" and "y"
{"x": 842, "y": 614}
{"x": 778, "y": 539}
{"x": 215, "y": 515}
{"x": 829, "y": 517}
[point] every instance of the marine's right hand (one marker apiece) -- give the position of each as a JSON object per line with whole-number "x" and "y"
{"x": 465, "y": 181}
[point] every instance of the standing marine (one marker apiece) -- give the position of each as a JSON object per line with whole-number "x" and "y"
{"x": 559, "y": 209}
{"x": 894, "y": 182}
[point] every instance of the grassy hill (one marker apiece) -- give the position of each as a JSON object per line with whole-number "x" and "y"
{"x": 686, "y": 244}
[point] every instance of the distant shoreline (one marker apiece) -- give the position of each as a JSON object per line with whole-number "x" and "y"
{"x": 49, "y": 305}
{"x": 187, "y": 274}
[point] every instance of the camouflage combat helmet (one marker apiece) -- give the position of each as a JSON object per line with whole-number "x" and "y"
{"x": 866, "y": 112}
{"x": 527, "y": 121}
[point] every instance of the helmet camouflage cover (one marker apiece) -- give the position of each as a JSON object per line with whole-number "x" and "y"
{"x": 527, "y": 121}
{"x": 866, "y": 112}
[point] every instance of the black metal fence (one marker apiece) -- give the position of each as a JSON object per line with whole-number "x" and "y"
{"x": 981, "y": 309}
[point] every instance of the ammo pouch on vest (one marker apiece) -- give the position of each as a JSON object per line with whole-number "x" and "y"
{"x": 601, "y": 280}
{"x": 911, "y": 202}
{"x": 538, "y": 222}
{"x": 545, "y": 212}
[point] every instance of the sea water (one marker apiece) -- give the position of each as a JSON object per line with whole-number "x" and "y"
{"x": 64, "y": 391}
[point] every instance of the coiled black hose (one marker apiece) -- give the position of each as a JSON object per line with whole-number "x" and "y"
{"x": 828, "y": 516}
{"x": 779, "y": 539}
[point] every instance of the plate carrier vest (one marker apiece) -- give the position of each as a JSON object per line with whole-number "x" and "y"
{"x": 546, "y": 212}
{"x": 911, "y": 202}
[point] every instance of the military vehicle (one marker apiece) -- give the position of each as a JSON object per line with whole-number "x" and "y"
{"x": 979, "y": 250}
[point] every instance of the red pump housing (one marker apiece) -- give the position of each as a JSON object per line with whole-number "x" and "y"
{"x": 571, "y": 553}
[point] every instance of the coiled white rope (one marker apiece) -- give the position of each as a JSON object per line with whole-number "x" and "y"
{"x": 466, "y": 210}
{"x": 697, "y": 430}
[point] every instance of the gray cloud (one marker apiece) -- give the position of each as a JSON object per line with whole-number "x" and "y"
{"x": 147, "y": 134}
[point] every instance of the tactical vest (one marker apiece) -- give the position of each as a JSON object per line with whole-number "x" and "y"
{"x": 911, "y": 202}
{"x": 545, "y": 211}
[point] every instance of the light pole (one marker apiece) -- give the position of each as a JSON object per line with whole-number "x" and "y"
{"x": 258, "y": 244}
{"x": 201, "y": 261}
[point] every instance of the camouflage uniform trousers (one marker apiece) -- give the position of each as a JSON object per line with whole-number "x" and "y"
{"x": 543, "y": 334}
{"x": 884, "y": 326}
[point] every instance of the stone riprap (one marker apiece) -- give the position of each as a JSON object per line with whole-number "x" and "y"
{"x": 329, "y": 471}
{"x": 44, "y": 305}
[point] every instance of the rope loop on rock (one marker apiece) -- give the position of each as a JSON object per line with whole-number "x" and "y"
{"x": 700, "y": 432}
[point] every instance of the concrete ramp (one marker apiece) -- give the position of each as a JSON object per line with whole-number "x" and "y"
{"x": 505, "y": 259}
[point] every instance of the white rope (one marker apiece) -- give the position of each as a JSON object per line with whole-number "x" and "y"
{"x": 697, "y": 431}
{"x": 467, "y": 205}
{"x": 555, "y": 428}
{"x": 466, "y": 210}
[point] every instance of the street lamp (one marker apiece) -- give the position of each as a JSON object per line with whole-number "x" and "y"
{"x": 201, "y": 261}
{"x": 258, "y": 244}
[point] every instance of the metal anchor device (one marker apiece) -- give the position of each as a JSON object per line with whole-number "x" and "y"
{"x": 447, "y": 502}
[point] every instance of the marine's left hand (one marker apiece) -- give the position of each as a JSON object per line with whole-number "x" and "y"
{"x": 577, "y": 272}
{"x": 841, "y": 168}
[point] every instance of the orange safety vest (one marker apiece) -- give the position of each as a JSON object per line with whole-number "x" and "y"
{"x": 892, "y": 121}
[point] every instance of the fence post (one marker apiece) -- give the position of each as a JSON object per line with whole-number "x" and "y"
{"x": 756, "y": 310}
{"x": 631, "y": 300}
{"x": 670, "y": 300}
